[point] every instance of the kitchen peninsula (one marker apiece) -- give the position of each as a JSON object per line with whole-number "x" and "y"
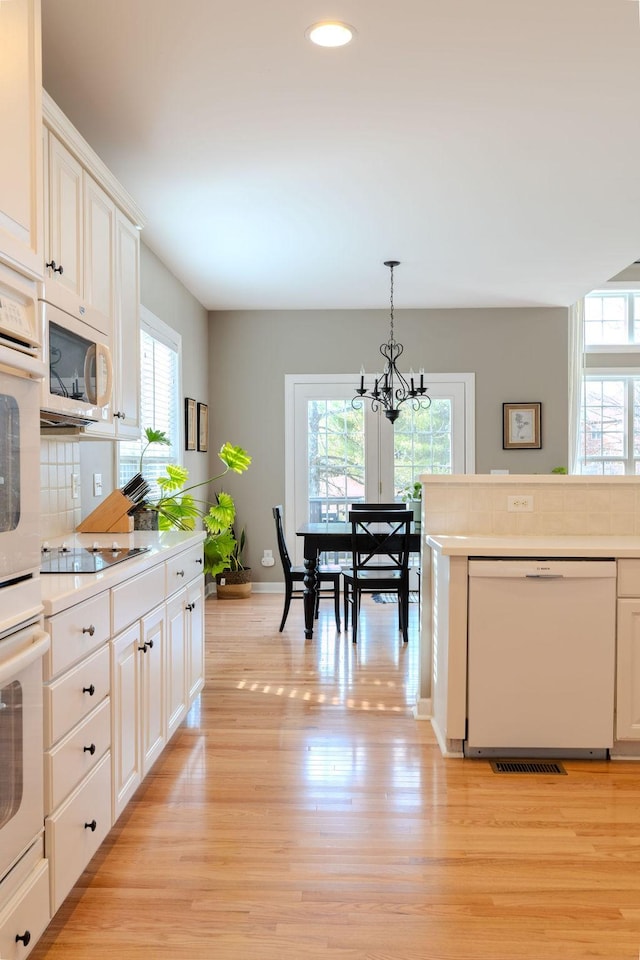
{"x": 481, "y": 525}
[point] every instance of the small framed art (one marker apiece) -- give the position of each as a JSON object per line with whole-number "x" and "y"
{"x": 521, "y": 426}
{"x": 189, "y": 424}
{"x": 203, "y": 427}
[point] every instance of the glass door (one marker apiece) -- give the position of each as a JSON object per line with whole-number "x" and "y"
{"x": 338, "y": 454}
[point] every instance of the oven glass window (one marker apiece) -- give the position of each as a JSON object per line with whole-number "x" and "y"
{"x": 9, "y": 463}
{"x": 11, "y": 751}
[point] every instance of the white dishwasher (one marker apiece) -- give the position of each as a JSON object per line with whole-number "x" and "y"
{"x": 541, "y": 657}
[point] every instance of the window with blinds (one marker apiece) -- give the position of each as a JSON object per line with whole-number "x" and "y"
{"x": 159, "y": 403}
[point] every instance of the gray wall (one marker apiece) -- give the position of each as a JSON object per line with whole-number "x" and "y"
{"x": 516, "y": 355}
{"x": 169, "y": 300}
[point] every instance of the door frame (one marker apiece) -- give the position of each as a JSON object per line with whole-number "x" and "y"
{"x": 464, "y": 382}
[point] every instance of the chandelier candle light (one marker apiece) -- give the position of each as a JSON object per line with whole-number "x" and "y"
{"x": 391, "y": 389}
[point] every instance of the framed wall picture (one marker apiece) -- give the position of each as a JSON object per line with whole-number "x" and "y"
{"x": 521, "y": 426}
{"x": 203, "y": 427}
{"x": 190, "y": 425}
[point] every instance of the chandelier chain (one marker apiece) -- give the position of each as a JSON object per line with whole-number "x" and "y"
{"x": 391, "y": 303}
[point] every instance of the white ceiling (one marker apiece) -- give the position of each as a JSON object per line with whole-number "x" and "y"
{"x": 492, "y": 146}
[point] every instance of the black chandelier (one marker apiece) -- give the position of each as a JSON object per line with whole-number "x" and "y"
{"x": 391, "y": 389}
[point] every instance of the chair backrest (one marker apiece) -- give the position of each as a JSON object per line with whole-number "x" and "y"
{"x": 380, "y": 539}
{"x": 378, "y": 506}
{"x": 282, "y": 544}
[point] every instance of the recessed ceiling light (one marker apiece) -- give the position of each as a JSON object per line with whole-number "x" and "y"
{"x": 330, "y": 33}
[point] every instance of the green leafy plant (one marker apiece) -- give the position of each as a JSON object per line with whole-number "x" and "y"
{"x": 412, "y": 491}
{"x": 178, "y": 508}
{"x": 559, "y": 470}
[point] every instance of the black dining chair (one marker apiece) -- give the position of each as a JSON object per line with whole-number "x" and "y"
{"x": 380, "y": 561}
{"x": 328, "y": 574}
{"x": 378, "y": 506}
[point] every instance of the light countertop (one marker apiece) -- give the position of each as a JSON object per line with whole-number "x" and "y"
{"x": 544, "y": 546}
{"x": 61, "y": 590}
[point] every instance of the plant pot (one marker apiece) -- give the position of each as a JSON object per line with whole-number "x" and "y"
{"x": 145, "y": 519}
{"x": 416, "y": 506}
{"x": 233, "y": 584}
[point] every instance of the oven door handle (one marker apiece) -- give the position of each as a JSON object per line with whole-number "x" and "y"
{"x": 25, "y": 657}
{"x": 99, "y": 355}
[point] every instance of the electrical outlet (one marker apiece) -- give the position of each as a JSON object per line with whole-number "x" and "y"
{"x": 267, "y": 558}
{"x": 75, "y": 486}
{"x": 520, "y": 503}
{"x": 97, "y": 484}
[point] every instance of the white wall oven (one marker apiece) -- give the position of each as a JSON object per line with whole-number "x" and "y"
{"x": 79, "y": 383}
{"x": 21, "y": 746}
{"x": 22, "y": 640}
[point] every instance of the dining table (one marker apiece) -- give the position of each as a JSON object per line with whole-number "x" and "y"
{"x": 330, "y": 537}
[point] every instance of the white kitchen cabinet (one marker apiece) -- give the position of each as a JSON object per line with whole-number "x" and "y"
{"x": 126, "y": 713}
{"x": 63, "y": 248}
{"x": 77, "y": 735}
{"x": 176, "y": 661}
{"x": 26, "y": 913}
{"x": 92, "y": 256}
{"x": 80, "y": 247}
{"x": 153, "y": 709}
{"x": 126, "y": 340}
{"x": 20, "y": 149}
{"x": 76, "y": 829}
{"x": 195, "y": 638}
{"x": 628, "y": 651}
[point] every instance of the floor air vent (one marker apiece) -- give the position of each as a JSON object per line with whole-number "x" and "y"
{"x": 528, "y": 766}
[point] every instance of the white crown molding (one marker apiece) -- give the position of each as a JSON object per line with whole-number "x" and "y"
{"x": 62, "y": 127}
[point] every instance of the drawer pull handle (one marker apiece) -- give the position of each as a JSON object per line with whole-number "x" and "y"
{"x": 90, "y": 690}
{"x": 90, "y": 630}
{"x": 91, "y": 826}
{"x": 150, "y": 643}
{"x": 120, "y": 415}
{"x": 190, "y": 607}
{"x": 179, "y": 573}
{"x": 199, "y": 560}
{"x": 91, "y": 749}
{"x": 56, "y": 269}
{"x": 24, "y": 938}
{"x": 147, "y": 645}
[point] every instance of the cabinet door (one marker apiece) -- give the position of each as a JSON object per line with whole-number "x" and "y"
{"x": 628, "y": 671}
{"x": 99, "y": 252}
{"x": 20, "y": 150}
{"x": 125, "y": 713}
{"x": 195, "y": 638}
{"x": 176, "y": 661}
{"x": 65, "y": 219}
{"x": 127, "y": 329}
{"x": 152, "y": 687}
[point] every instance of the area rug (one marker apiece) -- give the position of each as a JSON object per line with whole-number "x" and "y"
{"x": 393, "y": 597}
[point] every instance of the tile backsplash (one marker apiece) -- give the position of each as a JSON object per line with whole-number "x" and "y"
{"x": 59, "y": 464}
{"x": 561, "y": 505}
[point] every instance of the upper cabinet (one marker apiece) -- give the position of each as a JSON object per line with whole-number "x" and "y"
{"x": 80, "y": 240}
{"x": 20, "y": 154}
{"x": 92, "y": 258}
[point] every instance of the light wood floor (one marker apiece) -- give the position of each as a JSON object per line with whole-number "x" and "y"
{"x": 301, "y": 813}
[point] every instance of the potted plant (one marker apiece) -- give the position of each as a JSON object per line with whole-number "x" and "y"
{"x": 412, "y": 496}
{"x": 234, "y": 582}
{"x": 178, "y": 508}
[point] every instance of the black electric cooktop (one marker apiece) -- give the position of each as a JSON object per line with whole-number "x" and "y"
{"x": 85, "y": 559}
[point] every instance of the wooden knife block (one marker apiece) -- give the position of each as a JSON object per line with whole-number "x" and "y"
{"x": 110, "y": 516}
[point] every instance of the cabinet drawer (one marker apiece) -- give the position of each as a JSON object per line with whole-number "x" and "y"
{"x": 75, "y": 633}
{"x": 66, "y": 764}
{"x": 75, "y": 694}
{"x": 70, "y": 842}
{"x": 629, "y": 578}
{"x": 131, "y": 600}
{"x": 183, "y": 567}
{"x": 26, "y": 913}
